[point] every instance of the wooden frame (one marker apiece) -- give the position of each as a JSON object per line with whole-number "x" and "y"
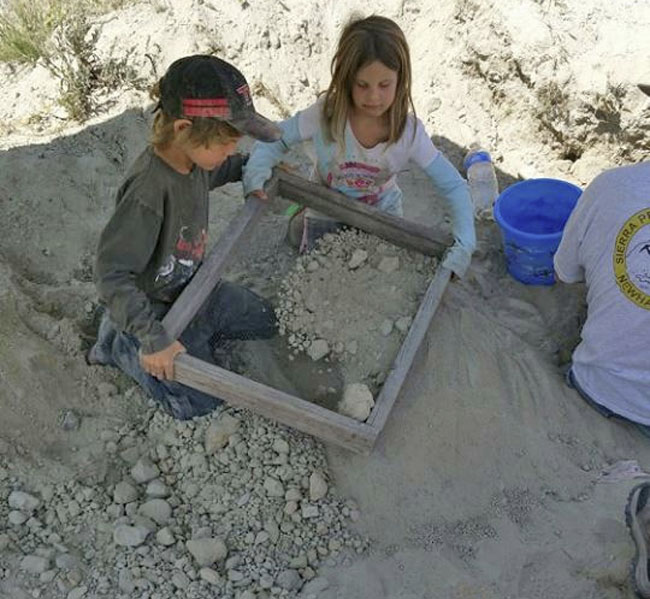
{"x": 277, "y": 405}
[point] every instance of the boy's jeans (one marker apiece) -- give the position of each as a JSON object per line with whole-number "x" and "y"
{"x": 230, "y": 312}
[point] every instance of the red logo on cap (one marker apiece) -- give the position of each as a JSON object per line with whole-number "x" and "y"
{"x": 245, "y": 92}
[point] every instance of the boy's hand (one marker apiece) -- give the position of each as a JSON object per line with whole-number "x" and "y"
{"x": 161, "y": 363}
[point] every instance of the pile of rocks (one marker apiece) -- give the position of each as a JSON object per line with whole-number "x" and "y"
{"x": 353, "y": 299}
{"x": 232, "y": 506}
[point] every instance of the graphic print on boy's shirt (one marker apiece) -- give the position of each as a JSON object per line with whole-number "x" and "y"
{"x": 179, "y": 266}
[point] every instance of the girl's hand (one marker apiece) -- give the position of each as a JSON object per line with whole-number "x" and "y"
{"x": 260, "y": 194}
{"x": 161, "y": 364}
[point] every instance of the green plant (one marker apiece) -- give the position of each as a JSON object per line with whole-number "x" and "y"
{"x": 72, "y": 59}
{"x": 25, "y": 28}
{"x": 27, "y": 25}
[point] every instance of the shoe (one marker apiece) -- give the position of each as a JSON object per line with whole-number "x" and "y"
{"x": 637, "y": 518}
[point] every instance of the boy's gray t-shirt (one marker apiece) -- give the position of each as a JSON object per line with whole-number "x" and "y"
{"x": 606, "y": 243}
{"x": 155, "y": 241}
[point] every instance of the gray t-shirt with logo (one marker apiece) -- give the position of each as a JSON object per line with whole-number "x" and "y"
{"x": 606, "y": 243}
{"x": 155, "y": 241}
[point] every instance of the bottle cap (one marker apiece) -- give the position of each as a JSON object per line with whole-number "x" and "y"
{"x": 474, "y": 157}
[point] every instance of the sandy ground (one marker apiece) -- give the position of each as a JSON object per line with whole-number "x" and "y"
{"x": 486, "y": 481}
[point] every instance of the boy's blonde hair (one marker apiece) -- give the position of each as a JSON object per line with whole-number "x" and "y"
{"x": 203, "y": 132}
{"x": 362, "y": 42}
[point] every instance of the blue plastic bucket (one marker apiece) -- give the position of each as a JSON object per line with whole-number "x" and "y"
{"x": 531, "y": 215}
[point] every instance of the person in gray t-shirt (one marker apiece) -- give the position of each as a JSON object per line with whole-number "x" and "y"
{"x": 155, "y": 240}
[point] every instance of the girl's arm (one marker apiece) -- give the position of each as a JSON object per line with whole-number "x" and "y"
{"x": 448, "y": 182}
{"x": 265, "y": 156}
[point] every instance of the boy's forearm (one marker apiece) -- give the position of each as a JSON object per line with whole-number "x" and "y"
{"x": 132, "y": 312}
{"x": 230, "y": 171}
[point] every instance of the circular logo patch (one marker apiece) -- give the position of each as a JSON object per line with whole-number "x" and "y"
{"x": 632, "y": 259}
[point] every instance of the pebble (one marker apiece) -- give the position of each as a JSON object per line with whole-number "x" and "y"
{"x": 165, "y": 537}
{"x": 315, "y": 587}
{"x": 309, "y": 511}
{"x": 124, "y": 492}
{"x": 34, "y": 564}
{"x": 289, "y": 580}
{"x": 17, "y": 518}
{"x": 281, "y": 446}
{"x": 359, "y": 256}
{"x": 386, "y": 327}
{"x": 157, "y": 509}
{"x": 144, "y": 471}
{"x": 317, "y": 486}
{"x": 77, "y": 593}
{"x": 318, "y": 349}
{"x": 219, "y": 432}
{"x": 389, "y": 264}
{"x": 180, "y": 580}
{"x": 210, "y": 576}
{"x": 207, "y": 551}
{"x": 18, "y": 500}
{"x": 129, "y": 536}
{"x": 157, "y": 488}
{"x": 273, "y": 487}
{"x": 403, "y": 324}
{"x": 357, "y": 401}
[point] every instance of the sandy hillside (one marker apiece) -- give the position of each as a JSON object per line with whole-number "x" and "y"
{"x": 487, "y": 481}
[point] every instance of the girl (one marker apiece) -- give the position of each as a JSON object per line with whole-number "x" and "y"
{"x": 363, "y": 135}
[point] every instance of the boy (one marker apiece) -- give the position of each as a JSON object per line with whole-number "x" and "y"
{"x": 155, "y": 240}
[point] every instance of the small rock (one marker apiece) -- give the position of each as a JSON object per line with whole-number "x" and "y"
{"x": 124, "y": 493}
{"x": 352, "y": 347}
{"x": 165, "y": 537}
{"x": 293, "y": 494}
{"x": 129, "y": 536}
{"x": 18, "y": 500}
{"x": 144, "y": 471}
{"x": 273, "y": 487}
{"x": 180, "y": 580}
{"x": 34, "y": 564}
{"x": 210, "y": 576}
{"x": 386, "y": 327}
{"x": 317, "y": 486}
{"x": 359, "y": 256}
{"x": 247, "y": 595}
{"x": 315, "y": 587}
{"x": 77, "y": 593}
{"x": 318, "y": 349}
{"x": 219, "y": 432}
{"x": 281, "y": 446}
{"x": 309, "y": 511}
{"x": 403, "y": 324}
{"x": 156, "y": 509}
{"x": 158, "y": 489}
{"x": 357, "y": 401}
{"x": 17, "y": 518}
{"x": 289, "y": 580}
{"x": 207, "y": 551}
{"x": 389, "y": 264}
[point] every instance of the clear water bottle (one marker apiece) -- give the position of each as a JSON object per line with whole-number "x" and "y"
{"x": 482, "y": 180}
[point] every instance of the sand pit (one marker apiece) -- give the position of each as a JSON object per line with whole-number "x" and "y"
{"x": 486, "y": 481}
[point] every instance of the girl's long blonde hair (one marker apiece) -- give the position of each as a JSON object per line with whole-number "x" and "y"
{"x": 362, "y": 42}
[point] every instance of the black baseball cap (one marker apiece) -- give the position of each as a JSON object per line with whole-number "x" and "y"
{"x": 645, "y": 88}
{"x": 206, "y": 86}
